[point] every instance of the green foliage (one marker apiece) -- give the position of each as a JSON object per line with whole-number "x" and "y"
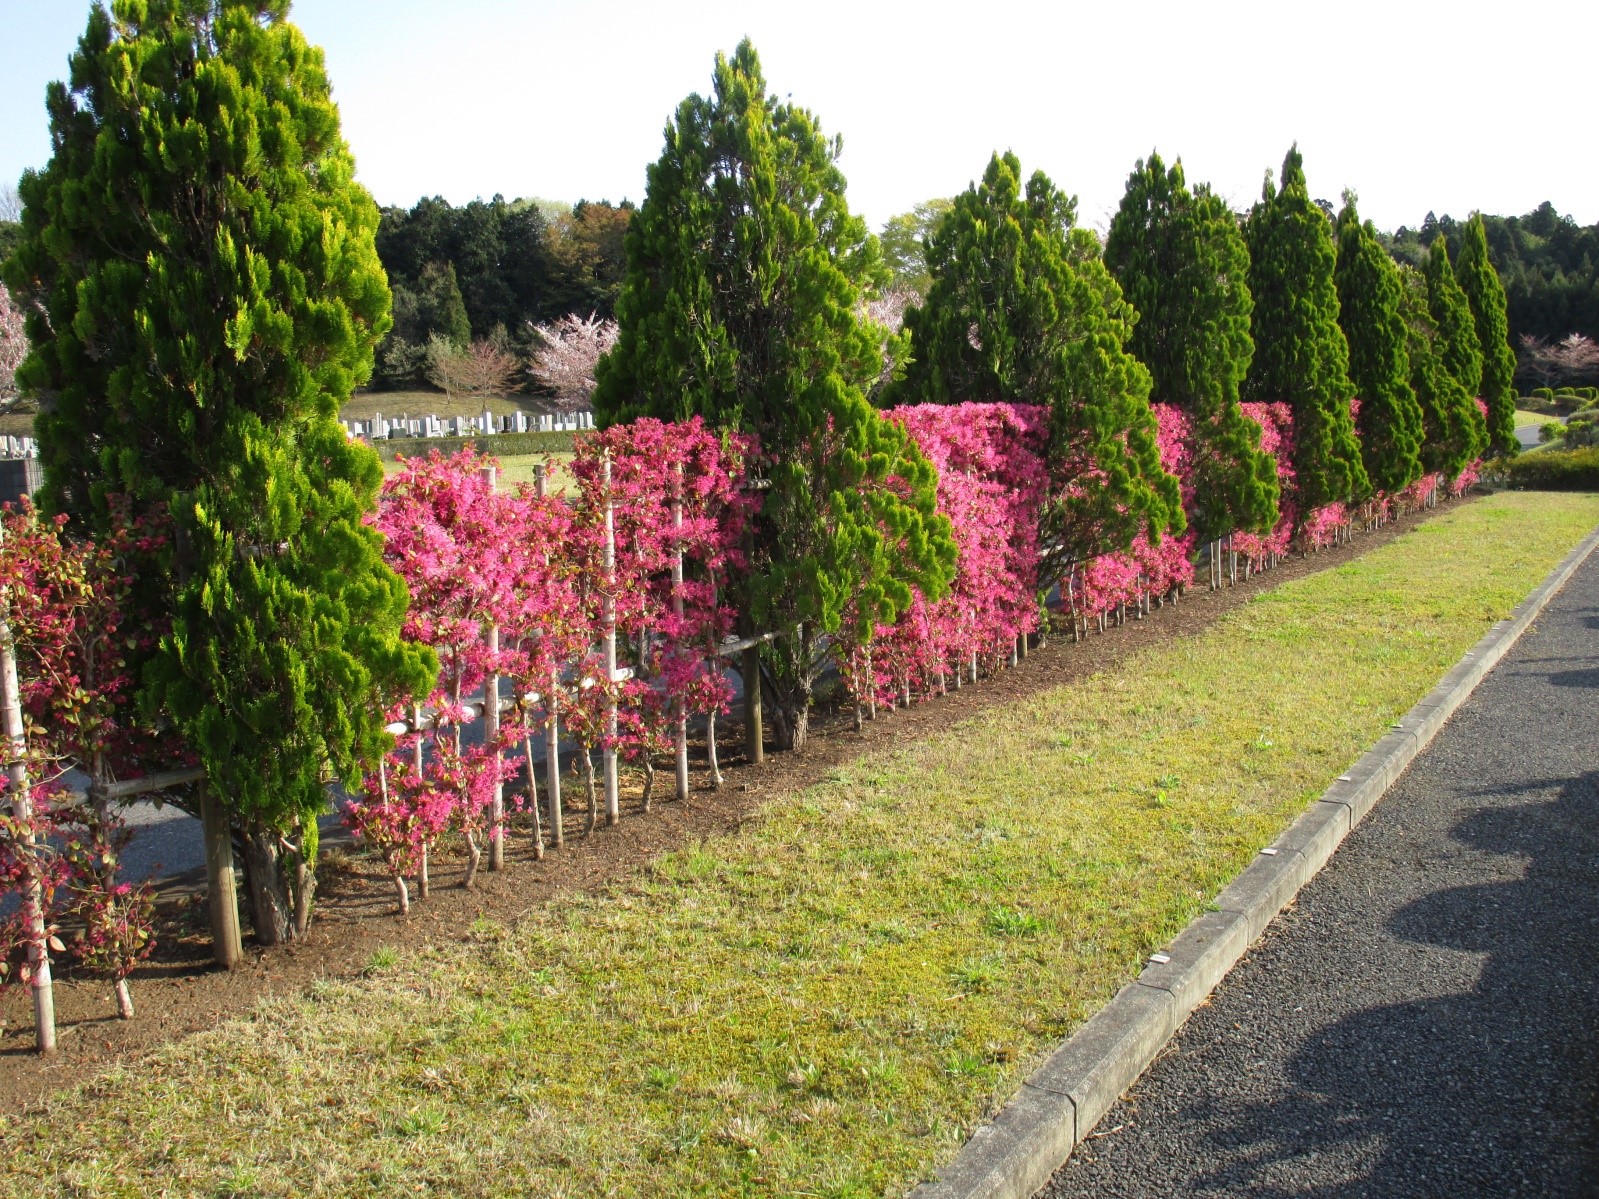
{"x": 1182, "y": 263}
{"x": 1369, "y": 298}
{"x": 745, "y": 269}
{"x": 1023, "y": 309}
{"x": 1553, "y": 470}
{"x": 1581, "y": 430}
{"x": 904, "y": 244}
{"x": 1457, "y": 332}
{"x": 1301, "y": 357}
{"x": 1452, "y": 427}
{"x": 208, "y": 295}
{"x": 509, "y": 264}
{"x": 815, "y": 984}
{"x": 1548, "y": 263}
{"x": 1486, "y": 297}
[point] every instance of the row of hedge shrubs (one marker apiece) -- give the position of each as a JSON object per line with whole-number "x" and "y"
{"x": 501, "y": 445}
{"x": 1567, "y": 399}
{"x": 1549, "y": 470}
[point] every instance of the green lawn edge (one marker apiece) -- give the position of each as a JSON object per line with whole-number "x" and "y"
{"x": 827, "y": 1002}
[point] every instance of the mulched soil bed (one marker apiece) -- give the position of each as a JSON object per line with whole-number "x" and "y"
{"x": 178, "y": 991}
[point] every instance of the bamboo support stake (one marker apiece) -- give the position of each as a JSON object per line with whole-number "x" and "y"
{"x": 613, "y": 802}
{"x": 491, "y": 730}
{"x": 422, "y": 860}
{"x": 491, "y": 736}
{"x": 44, "y": 1008}
{"x": 552, "y": 722}
{"x": 754, "y": 734}
{"x": 677, "y": 610}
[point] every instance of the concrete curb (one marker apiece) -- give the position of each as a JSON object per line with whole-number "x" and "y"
{"x": 1015, "y": 1154}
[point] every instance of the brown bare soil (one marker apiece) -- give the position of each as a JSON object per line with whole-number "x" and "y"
{"x": 179, "y": 991}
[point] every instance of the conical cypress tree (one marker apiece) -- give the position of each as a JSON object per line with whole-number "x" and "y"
{"x": 442, "y": 310}
{"x": 1369, "y": 296}
{"x": 1022, "y": 308}
{"x": 1301, "y": 357}
{"x": 1458, "y": 347}
{"x": 1181, "y": 262}
{"x": 744, "y": 267}
{"x": 207, "y": 295}
{"x": 1452, "y": 425}
{"x": 1486, "y": 296}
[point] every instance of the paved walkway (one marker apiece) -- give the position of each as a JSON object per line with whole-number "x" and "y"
{"x": 1425, "y": 1020}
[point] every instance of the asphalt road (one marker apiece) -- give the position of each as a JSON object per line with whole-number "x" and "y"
{"x": 1425, "y": 1020}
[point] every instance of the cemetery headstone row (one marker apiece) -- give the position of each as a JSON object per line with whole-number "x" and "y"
{"x": 380, "y": 427}
{"x": 18, "y": 447}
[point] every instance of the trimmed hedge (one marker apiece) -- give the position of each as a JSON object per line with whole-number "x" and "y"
{"x": 1552, "y": 470}
{"x": 501, "y": 445}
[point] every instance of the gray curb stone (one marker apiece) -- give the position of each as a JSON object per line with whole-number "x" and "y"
{"x": 1015, "y": 1154}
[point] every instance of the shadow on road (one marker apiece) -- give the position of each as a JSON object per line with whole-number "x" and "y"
{"x": 1493, "y": 1091}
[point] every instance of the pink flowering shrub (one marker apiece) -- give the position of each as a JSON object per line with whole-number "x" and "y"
{"x": 532, "y": 570}
{"x": 71, "y": 636}
{"x": 991, "y": 481}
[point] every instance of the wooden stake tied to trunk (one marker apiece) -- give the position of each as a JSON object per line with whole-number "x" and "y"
{"x": 613, "y": 802}
{"x": 44, "y": 1008}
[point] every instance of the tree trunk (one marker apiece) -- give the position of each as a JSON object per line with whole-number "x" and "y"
{"x": 533, "y": 799}
{"x": 227, "y": 948}
{"x": 552, "y": 761}
{"x": 271, "y": 910}
{"x": 594, "y": 800}
{"x": 124, "y": 1000}
{"x": 754, "y": 735}
{"x": 710, "y": 749}
{"x": 422, "y": 875}
{"x": 304, "y": 891}
{"x": 403, "y": 893}
{"x": 474, "y": 855}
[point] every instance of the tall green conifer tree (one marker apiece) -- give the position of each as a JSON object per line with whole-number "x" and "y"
{"x": 1023, "y": 309}
{"x": 1457, "y": 332}
{"x": 1454, "y": 432}
{"x": 1301, "y": 357}
{"x": 1369, "y": 298}
{"x": 1181, "y": 261}
{"x": 1486, "y": 296}
{"x": 207, "y": 294}
{"x": 744, "y": 270}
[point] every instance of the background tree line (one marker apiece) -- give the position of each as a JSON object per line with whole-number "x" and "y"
{"x": 1548, "y": 264}
{"x": 487, "y": 272}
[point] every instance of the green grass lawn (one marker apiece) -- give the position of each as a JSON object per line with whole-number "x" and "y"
{"x": 518, "y": 468}
{"x": 1524, "y": 418}
{"x": 828, "y": 1001}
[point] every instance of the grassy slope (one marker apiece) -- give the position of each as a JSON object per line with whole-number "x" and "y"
{"x": 518, "y": 468}
{"x": 364, "y": 405}
{"x": 825, "y": 1003}
{"x": 1524, "y": 418}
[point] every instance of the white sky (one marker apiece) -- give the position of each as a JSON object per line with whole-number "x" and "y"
{"x": 1417, "y": 106}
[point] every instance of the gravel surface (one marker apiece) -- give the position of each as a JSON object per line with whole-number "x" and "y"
{"x": 1425, "y": 1020}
